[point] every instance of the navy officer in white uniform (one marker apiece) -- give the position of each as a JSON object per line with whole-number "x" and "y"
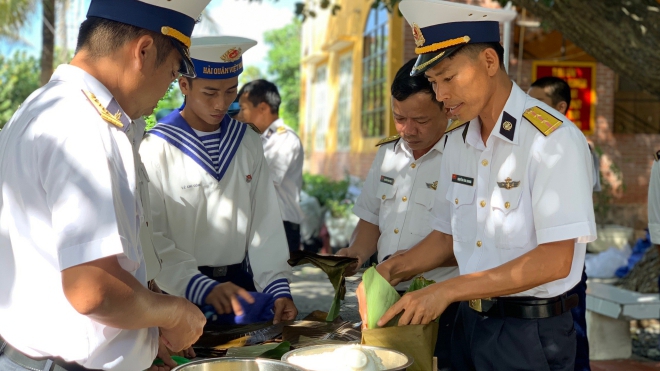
{"x": 73, "y": 292}
{"x": 513, "y": 204}
{"x": 216, "y": 219}
{"x": 394, "y": 206}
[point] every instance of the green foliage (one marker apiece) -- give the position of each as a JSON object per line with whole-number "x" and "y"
{"x": 171, "y": 100}
{"x": 324, "y": 189}
{"x": 14, "y": 14}
{"x": 19, "y": 77}
{"x": 284, "y": 66}
{"x": 250, "y": 73}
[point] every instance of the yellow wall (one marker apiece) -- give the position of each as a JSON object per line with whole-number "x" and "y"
{"x": 326, "y": 39}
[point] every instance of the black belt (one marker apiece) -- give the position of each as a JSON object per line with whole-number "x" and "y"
{"x": 525, "y": 307}
{"x": 218, "y": 272}
{"x": 38, "y": 364}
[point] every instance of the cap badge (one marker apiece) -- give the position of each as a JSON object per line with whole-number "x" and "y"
{"x": 231, "y": 55}
{"x": 417, "y": 35}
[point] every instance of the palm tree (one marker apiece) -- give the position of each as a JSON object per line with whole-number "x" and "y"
{"x": 13, "y": 16}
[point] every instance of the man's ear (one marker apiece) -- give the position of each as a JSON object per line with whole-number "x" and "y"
{"x": 263, "y": 107}
{"x": 562, "y": 107}
{"x": 184, "y": 85}
{"x": 491, "y": 60}
{"x": 144, "y": 51}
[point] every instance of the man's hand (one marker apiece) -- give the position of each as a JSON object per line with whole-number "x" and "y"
{"x": 419, "y": 307}
{"x": 285, "y": 310}
{"x": 224, "y": 298}
{"x": 164, "y": 355}
{"x": 188, "y": 326}
{"x": 353, "y": 268}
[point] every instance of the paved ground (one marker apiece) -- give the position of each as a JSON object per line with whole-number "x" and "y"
{"x": 312, "y": 291}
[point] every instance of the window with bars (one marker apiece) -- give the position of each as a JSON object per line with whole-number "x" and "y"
{"x": 320, "y": 106}
{"x": 345, "y": 96}
{"x": 374, "y": 74}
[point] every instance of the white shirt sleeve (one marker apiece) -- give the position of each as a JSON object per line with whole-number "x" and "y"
{"x": 654, "y": 203}
{"x": 76, "y": 177}
{"x": 282, "y": 156}
{"x": 367, "y": 205}
{"x": 179, "y": 274}
{"x": 561, "y": 172}
{"x": 268, "y": 250}
{"x": 441, "y": 210}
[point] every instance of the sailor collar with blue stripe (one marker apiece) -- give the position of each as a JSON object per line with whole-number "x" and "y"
{"x": 508, "y": 125}
{"x": 175, "y": 130}
{"x": 68, "y": 72}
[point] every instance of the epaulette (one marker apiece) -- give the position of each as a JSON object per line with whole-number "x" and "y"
{"x": 105, "y": 114}
{"x": 542, "y": 120}
{"x": 388, "y": 140}
{"x": 455, "y": 124}
{"x": 281, "y": 130}
{"x": 656, "y": 156}
{"x": 254, "y": 127}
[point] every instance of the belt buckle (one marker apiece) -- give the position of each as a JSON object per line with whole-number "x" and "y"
{"x": 477, "y": 305}
{"x": 219, "y": 271}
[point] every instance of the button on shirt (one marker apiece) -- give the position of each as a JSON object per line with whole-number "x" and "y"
{"x": 68, "y": 197}
{"x": 398, "y": 195}
{"x": 284, "y": 154}
{"x": 500, "y": 200}
{"x": 654, "y": 203}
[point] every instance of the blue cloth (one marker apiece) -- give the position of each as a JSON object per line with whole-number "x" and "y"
{"x": 638, "y": 251}
{"x": 579, "y": 314}
{"x": 260, "y": 311}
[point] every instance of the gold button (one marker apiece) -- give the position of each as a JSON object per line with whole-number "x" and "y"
{"x": 484, "y": 162}
{"x": 414, "y": 165}
{"x": 507, "y": 205}
{"x": 456, "y": 201}
{"x": 383, "y": 197}
{"x": 478, "y": 243}
{"x": 404, "y": 199}
{"x": 396, "y": 231}
{"x": 482, "y": 203}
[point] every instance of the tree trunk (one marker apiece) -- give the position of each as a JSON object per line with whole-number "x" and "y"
{"x": 48, "y": 41}
{"x": 623, "y": 35}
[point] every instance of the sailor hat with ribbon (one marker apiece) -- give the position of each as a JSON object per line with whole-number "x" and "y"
{"x": 219, "y": 57}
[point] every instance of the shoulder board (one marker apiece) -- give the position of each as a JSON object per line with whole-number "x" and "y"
{"x": 542, "y": 120}
{"x": 455, "y": 124}
{"x": 388, "y": 140}
{"x": 254, "y": 127}
{"x": 105, "y": 114}
{"x": 281, "y": 130}
{"x": 656, "y": 156}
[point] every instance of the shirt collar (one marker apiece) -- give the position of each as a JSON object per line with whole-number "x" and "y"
{"x": 272, "y": 128}
{"x": 69, "y": 73}
{"x": 402, "y": 146}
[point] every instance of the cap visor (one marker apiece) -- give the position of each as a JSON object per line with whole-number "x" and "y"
{"x": 187, "y": 68}
{"x": 428, "y": 60}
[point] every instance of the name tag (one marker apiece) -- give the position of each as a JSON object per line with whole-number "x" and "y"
{"x": 462, "y": 180}
{"x": 387, "y": 180}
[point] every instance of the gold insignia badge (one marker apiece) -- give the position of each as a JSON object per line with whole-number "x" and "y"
{"x": 105, "y": 114}
{"x": 232, "y": 55}
{"x": 281, "y": 130}
{"x": 417, "y": 35}
{"x": 507, "y": 125}
{"x": 433, "y": 186}
{"x": 508, "y": 183}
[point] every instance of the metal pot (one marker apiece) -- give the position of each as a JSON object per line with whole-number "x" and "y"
{"x": 392, "y": 359}
{"x": 238, "y": 364}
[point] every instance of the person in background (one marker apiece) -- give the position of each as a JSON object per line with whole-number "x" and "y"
{"x": 213, "y": 205}
{"x": 74, "y": 293}
{"x": 260, "y": 105}
{"x": 556, "y": 93}
{"x": 654, "y": 204}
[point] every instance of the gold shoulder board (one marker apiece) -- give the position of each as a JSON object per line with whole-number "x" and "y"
{"x": 455, "y": 124}
{"x": 542, "y": 120}
{"x": 388, "y": 140}
{"x": 281, "y": 130}
{"x": 105, "y": 114}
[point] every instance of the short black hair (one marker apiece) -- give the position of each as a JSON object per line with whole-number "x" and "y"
{"x": 559, "y": 89}
{"x": 100, "y": 37}
{"x": 405, "y": 85}
{"x": 261, "y": 90}
{"x": 475, "y": 49}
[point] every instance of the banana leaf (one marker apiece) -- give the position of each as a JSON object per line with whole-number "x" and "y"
{"x": 270, "y": 351}
{"x": 419, "y": 283}
{"x": 378, "y": 296}
{"x": 334, "y": 267}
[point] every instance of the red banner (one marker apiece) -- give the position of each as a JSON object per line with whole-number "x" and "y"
{"x": 581, "y": 77}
